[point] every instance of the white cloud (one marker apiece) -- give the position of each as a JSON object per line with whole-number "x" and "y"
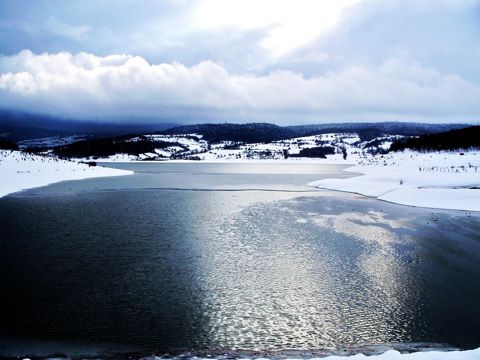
{"x": 85, "y": 85}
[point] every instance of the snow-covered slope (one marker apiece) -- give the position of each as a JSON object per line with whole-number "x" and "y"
{"x": 49, "y": 142}
{"x": 194, "y": 147}
{"x": 445, "y": 180}
{"x": 20, "y": 171}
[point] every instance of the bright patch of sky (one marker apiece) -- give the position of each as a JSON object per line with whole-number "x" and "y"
{"x": 289, "y": 24}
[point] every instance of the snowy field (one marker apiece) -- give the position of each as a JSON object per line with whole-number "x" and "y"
{"x": 20, "y": 171}
{"x": 193, "y": 147}
{"x": 442, "y": 180}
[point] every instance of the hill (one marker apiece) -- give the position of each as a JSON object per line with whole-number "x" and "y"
{"x": 247, "y": 133}
{"x": 17, "y": 126}
{"x": 263, "y": 132}
{"x": 459, "y": 139}
{"x": 255, "y": 140}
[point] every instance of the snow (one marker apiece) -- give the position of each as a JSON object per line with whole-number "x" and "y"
{"x": 193, "y": 146}
{"x": 49, "y": 142}
{"x": 20, "y": 171}
{"x": 388, "y": 355}
{"x": 193, "y": 142}
{"x": 442, "y": 180}
{"x": 421, "y": 355}
{"x": 114, "y": 158}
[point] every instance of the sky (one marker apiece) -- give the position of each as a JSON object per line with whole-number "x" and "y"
{"x": 280, "y": 61}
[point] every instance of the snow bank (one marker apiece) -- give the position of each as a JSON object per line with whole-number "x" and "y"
{"x": 422, "y": 355}
{"x": 20, "y": 171}
{"x": 388, "y": 355}
{"x": 444, "y": 180}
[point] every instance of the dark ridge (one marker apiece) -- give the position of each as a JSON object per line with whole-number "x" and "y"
{"x": 262, "y": 132}
{"x": 370, "y": 131}
{"x": 17, "y": 126}
{"x": 248, "y": 133}
{"x": 460, "y": 139}
{"x": 111, "y": 146}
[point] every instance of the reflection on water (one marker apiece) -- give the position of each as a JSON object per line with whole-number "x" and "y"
{"x": 249, "y": 270}
{"x": 380, "y": 269}
{"x": 319, "y": 284}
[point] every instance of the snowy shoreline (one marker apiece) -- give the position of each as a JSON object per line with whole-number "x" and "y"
{"x": 388, "y": 354}
{"x": 421, "y": 355}
{"x": 41, "y": 349}
{"x": 442, "y": 180}
{"x": 438, "y": 180}
{"x": 331, "y": 160}
{"x": 21, "y": 171}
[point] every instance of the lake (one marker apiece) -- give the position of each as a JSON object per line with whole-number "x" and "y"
{"x": 198, "y": 256}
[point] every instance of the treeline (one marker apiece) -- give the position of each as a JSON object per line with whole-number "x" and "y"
{"x": 8, "y": 145}
{"x": 264, "y": 132}
{"x": 315, "y": 152}
{"x": 461, "y": 139}
{"x": 99, "y": 148}
{"x": 244, "y": 133}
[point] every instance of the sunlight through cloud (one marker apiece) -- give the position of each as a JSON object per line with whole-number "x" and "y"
{"x": 289, "y": 24}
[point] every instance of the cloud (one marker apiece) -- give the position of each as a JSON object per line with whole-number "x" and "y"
{"x": 289, "y": 23}
{"x": 117, "y": 86}
{"x": 306, "y": 36}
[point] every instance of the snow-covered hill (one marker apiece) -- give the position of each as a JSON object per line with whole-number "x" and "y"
{"x": 194, "y": 147}
{"x": 50, "y": 141}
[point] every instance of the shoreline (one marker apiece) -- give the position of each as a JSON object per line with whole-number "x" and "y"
{"x": 396, "y": 178}
{"x": 446, "y": 181}
{"x": 387, "y": 351}
{"x": 21, "y": 171}
{"x": 309, "y": 161}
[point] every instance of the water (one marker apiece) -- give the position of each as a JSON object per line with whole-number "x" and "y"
{"x": 238, "y": 257}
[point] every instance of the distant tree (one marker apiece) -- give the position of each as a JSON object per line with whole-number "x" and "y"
{"x": 466, "y": 138}
{"x": 8, "y": 145}
{"x": 316, "y": 152}
{"x": 344, "y": 152}
{"x": 110, "y": 146}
